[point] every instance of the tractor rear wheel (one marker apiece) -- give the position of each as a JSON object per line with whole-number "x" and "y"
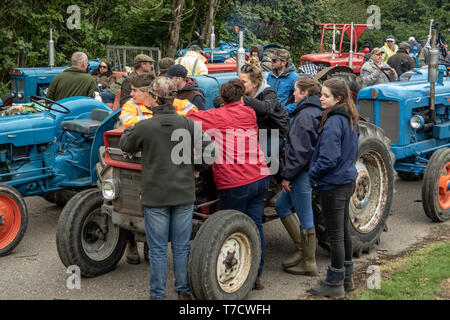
{"x": 225, "y": 257}
{"x": 13, "y": 218}
{"x": 435, "y": 187}
{"x": 370, "y": 204}
{"x": 86, "y": 237}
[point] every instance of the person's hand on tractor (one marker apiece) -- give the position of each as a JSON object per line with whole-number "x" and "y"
{"x": 286, "y": 185}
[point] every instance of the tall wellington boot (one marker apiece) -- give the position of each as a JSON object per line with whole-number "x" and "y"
{"x": 307, "y": 265}
{"x": 292, "y": 225}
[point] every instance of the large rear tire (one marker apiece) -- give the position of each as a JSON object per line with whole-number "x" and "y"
{"x": 13, "y": 218}
{"x": 370, "y": 204}
{"x": 225, "y": 257}
{"x": 435, "y": 191}
{"x": 88, "y": 238}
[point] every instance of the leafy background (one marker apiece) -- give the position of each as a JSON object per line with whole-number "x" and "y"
{"x": 25, "y": 24}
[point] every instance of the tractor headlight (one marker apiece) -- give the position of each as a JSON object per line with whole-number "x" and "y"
{"x": 417, "y": 121}
{"x": 19, "y": 95}
{"x": 110, "y": 189}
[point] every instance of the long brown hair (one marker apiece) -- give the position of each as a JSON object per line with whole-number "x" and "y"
{"x": 340, "y": 89}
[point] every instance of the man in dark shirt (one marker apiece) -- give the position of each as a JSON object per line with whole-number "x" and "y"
{"x": 187, "y": 87}
{"x": 142, "y": 64}
{"x": 402, "y": 61}
{"x": 73, "y": 81}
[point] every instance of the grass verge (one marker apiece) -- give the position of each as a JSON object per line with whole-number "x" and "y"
{"x": 425, "y": 275}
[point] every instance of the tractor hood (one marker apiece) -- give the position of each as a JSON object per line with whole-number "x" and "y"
{"x": 407, "y": 90}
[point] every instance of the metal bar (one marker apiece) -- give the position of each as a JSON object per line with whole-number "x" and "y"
{"x": 23, "y": 172}
{"x": 22, "y": 181}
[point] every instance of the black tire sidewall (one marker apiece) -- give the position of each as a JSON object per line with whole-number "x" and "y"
{"x": 78, "y": 211}
{"x": 215, "y": 231}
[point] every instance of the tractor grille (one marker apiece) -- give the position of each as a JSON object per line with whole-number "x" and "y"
{"x": 129, "y": 201}
{"x": 389, "y": 119}
{"x": 365, "y": 109}
{"x": 116, "y": 154}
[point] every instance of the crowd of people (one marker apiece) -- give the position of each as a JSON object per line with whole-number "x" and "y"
{"x": 316, "y": 125}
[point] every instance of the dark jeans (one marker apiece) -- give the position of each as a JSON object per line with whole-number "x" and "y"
{"x": 335, "y": 208}
{"x": 248, "y": 199}
{"x": 107, "y": 97}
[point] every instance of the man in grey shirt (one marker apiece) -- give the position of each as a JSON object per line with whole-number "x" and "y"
{"x": 376, "y": 71}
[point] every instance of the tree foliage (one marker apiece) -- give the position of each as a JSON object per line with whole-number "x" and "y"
{"x": 25, "y": 24}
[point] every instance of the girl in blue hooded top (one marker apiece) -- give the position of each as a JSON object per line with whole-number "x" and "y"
{"x": 300, "y": 141}
{"x": 333, "y": 174}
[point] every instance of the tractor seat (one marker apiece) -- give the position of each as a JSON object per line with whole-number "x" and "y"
{"x": 86, "y": 126}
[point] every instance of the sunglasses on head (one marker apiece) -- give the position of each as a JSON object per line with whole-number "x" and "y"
{"x": 247, "y": 68}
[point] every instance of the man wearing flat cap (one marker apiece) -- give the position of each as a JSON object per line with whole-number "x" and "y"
{"x": 402, "y": 61}
{"x": 142, "y": 64}
{"x": 376, "y": 71}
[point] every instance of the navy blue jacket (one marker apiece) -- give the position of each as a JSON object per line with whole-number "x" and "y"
{"x": 333, "y": 162}
{"x": 302, "y": 137}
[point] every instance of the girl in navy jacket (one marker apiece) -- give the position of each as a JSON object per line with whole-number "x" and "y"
{"x": 332, "y": 175}
{"x": 301, "y": 139}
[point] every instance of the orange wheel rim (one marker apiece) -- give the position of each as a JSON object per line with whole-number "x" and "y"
{"x": 443, "y": 192}
{"x": 11, "y": 220}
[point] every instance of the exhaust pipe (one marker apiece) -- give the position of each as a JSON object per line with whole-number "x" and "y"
{"x": 51, "y": 50}
{"x": 350, "y": 55}
{"x": 212, "y": 43}
{"x": 240, "y": 53}
{"x": 433, "y": 71}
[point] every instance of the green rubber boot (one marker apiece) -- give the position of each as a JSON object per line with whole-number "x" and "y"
{"x": 292, "y": 225}
{"x": 307, "y": 265}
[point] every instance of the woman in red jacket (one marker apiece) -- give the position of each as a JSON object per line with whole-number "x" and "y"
{"x": 240, "y": 173}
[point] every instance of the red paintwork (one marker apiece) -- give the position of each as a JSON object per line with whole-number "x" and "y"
{"x": 339, "y": 58}
{"x": 116, "y": 163}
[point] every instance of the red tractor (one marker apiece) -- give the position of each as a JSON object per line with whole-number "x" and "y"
{"x": 353, "y": 59}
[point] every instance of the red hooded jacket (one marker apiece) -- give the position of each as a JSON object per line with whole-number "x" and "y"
{"x": 233, "y": 127}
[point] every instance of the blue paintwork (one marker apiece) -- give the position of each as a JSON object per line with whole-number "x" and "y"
{"x": 413, "y": 147}
{"x": 51, "y": 159}
{"x": 210, "y": 85}
{"x": 35, "y": 81}
{"x": 224, "y": 50}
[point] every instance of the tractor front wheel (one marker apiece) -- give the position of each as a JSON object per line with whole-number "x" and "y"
{"x": 435, "y": 188}
{"x": 13, "y": 218}
{"x": 86, "y": 237}
{"x": 225, "y": 257}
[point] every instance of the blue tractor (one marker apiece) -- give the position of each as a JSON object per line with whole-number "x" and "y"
{"x": 26, "y": 82}
{"x": 49, "y": 149}
{"x": 415, "y": 116}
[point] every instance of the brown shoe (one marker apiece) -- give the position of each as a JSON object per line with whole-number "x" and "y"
{"x": 131, "y": 253}
{"x": 258, "y": 284}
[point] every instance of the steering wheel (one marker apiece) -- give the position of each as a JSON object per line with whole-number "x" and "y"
{"x": 36, "y": 99}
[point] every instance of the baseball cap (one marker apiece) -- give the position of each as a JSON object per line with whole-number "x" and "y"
{"x": 195, "y": 47}
{"x": 163, "y": 87}
{"x": 376, "y": 51}
{"x": 281, "y": 54}
{"x": 403, "y": 45}
{"x": 143, "y": 58}
{"x": 411, "y": 39}
{"x": 177, "y": 70}
{"x": 390, "y": 38}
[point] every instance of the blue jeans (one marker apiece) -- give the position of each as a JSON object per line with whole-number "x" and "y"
{"x": 248, "y": 199}
{"x": 107, "y": 97}
{"x": 300, "y": 198}
{"x": 161, "y": 225}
